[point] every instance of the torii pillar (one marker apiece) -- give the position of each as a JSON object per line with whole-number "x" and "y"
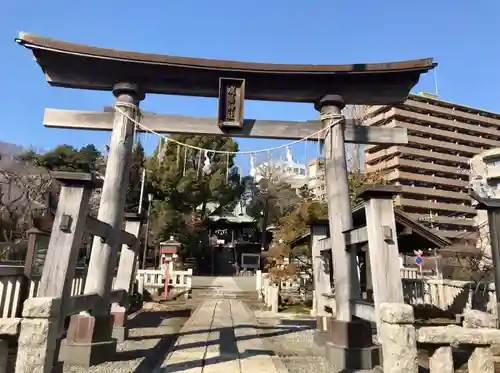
{"x": 346, "y": 280}
{"x": 89, "y": 340}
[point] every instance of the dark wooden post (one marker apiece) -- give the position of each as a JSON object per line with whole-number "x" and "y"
{"x": 492, "y": 206}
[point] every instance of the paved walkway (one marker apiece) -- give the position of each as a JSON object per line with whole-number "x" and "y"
{"x": 221, "y": 337}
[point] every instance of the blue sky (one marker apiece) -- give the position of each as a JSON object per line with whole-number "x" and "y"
{"x": 461, "y": 35}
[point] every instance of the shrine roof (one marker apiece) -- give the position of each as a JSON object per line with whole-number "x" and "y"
{"x": 216, "y": 213}
{"x": 411, "y": 234}
{"x": 80, "y": 66}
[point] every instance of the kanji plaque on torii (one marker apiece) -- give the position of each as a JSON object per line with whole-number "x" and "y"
{"x": 231, "y": 102}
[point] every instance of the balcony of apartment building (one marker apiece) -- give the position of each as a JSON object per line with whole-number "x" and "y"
{"x": 454, "y": 124}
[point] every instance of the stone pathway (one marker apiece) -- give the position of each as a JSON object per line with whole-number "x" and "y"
{"x": 225, "y": 284}
{"x": 221, "y": 337}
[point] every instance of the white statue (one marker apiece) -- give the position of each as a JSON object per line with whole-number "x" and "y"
{"x": 289, "y": 157}
{"x": 253, "y": 167}
{"x": 206, "y": 164}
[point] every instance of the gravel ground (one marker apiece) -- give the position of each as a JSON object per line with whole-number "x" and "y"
{"x": 152, "y": 332}
{"x": 293, "y": 343}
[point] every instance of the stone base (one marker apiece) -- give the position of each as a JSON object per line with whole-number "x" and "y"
{"x": 356, "y": 333}
{"x": 320, "y": 338}
{"x": 120, "y": 333}
{"x": 352, "y": 358}
{"x": 87, "y": 354}
{"x": 120, "y": 330}
{"x": 88, "y": 341}
{"x": 348, "y": 345}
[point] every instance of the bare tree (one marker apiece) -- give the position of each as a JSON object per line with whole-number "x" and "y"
{"x": 24, "y": 193}
{"x": 359, "y": 113}
{"x": 479, "y": 264}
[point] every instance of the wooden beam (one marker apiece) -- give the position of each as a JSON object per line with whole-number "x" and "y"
{"x": 360, "y": 235}
{"x": 364, "y": 310}
{"x": 355, "y": 236}
{"x": 177, "y": 124}
{"x": 80, "y": 303}
{"x": 100, "y": 229}
{"x": 97, "y": 228}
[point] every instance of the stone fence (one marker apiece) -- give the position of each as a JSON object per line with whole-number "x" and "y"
{"x": 39, "y": 329}
{"x": 400, "y": 340}
{"x": 451, "y": 296}
{"x": 97, "y": 317}
{"x": 153, "y": 281}
{"x": 16, "y": 287}
{"x": 295, "y": 288}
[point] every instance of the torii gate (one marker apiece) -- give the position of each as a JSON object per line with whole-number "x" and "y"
{"x": 131, "y": 75}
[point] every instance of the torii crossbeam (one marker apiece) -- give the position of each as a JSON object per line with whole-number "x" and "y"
{"x": 268, "y": 129}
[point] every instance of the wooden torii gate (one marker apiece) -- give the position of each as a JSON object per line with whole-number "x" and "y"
{"x": 130, "y": 76}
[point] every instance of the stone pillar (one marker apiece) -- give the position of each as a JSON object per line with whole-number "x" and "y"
{"x": 348, "y": 343}
{"x": 492, "y": 206}
{"x": 112, "y": 207}
{"x": 89, "y": 340}
{"x": 126, "y": 276}
{"x": 318, "y": 232}
{"x": 441, "y": 360}
{"x": 166, "y": 266}
{"x": 275, "y": 298}
{"x": 339, "y": 205}
{"x": 398, "y": 338}
{"x": 481, "y": 359}
{"x": 258, "y": 283}
{"x": 382, "y": 245}
{"x": 37, "y": 342}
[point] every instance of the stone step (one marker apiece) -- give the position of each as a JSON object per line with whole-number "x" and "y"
{"x": 224, "y": 294}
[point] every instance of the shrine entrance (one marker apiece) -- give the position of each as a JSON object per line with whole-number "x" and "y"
{"x": 131, "y": 76}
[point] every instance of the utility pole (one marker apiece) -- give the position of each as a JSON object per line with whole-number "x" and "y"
{"x": 141, "y": 197}
{"x": 144, "y": 251}
{"x": 265, "y": 215}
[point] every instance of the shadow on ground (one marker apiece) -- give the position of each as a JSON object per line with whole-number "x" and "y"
{"x": 168, "y": 322}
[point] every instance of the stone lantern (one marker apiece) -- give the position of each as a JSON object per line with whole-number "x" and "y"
{"x": 168, "y": 251}
{"x": 38, "y": 244}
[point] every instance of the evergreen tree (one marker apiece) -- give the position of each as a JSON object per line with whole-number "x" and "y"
{"x": 180, "y": 184}
{"x": 67, "y": 158}
{"x": 135, "y": 180}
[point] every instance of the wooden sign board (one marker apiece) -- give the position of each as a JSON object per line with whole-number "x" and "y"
{"x": 231, "y": 103}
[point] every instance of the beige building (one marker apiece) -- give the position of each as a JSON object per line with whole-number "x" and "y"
{"x": 433, "y": 168}
{"x": 316, "y": 178}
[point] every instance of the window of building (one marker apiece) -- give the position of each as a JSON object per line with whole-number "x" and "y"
{"x": 494, "y": 163}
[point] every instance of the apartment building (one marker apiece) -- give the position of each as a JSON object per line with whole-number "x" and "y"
{"x": 433, "y": 168}
{"x": 316, "y": 178}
